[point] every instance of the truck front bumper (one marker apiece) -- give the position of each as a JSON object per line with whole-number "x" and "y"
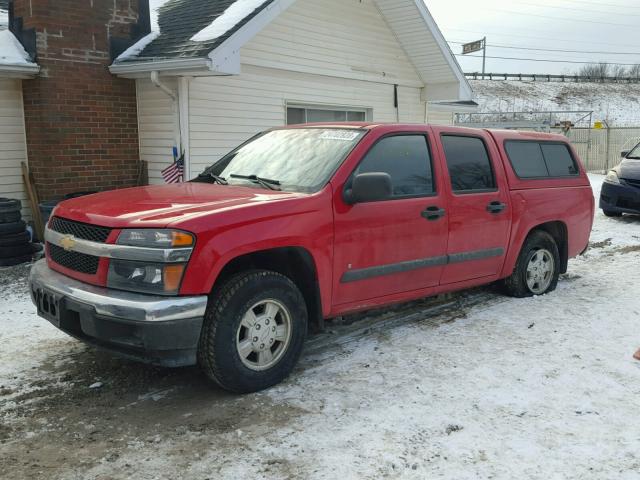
{"x": 152, "y": 329}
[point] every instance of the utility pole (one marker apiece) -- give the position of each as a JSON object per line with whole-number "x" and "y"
{"x": 484, "y": 55}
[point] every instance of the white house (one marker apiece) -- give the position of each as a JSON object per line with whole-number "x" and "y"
{"x": 212, "y": 73}
{"x": 15, "y": 65}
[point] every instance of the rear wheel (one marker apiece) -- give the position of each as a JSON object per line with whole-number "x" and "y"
{"x": 611, "y": 213}
{"x": 253, "y": 332}
{"x": 538, "y": 267}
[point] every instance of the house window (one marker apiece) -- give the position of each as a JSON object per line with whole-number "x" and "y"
{"x": 303, "y": 114}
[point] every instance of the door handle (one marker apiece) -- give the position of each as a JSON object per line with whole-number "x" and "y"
{"x": 496, "y": 207}
{"x": 433, "y": 213}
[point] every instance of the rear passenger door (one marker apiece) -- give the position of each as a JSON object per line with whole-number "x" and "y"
{"x": 478, "y": 205}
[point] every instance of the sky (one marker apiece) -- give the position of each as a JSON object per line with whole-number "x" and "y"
{"x": 609, "y": 27}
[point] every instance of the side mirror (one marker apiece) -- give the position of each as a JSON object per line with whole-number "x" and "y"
{"x": 624, "y": 153}
{"x": 369, "y": 187}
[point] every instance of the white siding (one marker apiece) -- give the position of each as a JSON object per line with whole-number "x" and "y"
{"x": 440, "y": 118}
{"x": 225, "y": 111}
{"x": 157, "y": 123}
{"x": 12, "y": 142}
{"x": 341, "y": 38}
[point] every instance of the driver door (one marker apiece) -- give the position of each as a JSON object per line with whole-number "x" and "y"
{"x": 396, "y": 245}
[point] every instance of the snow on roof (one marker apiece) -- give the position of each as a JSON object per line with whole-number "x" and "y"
{"x": 617, "y": 103}
{"x": 137, "y": 48}
{"x": 178, "y": 21}
{"x": 11, "y": 51}
{"x": 231, "y": 17}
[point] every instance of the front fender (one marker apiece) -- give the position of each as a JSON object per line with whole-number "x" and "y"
{"x": 311, "y": 230}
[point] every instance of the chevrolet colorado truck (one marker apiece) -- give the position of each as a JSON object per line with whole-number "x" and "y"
{"x": 301, "y": 224}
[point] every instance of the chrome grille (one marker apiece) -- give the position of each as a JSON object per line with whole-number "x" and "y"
{"x": 80, "y": 230}
{"x": 78, "y": 262}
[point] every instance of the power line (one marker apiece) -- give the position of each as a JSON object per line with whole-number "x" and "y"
{"x": 512, "y": 12}
{"x": 552, "y": 49}
{"x": 542, "y": 60}
{"x": 536, "y": 37}
{"x": 598, "y": 4}
{"x": 573, "y": 9}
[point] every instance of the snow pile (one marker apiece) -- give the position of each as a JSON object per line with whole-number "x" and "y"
{"x": 11, "y": 51}
{"x": 135, "y": 49}
{"x": 233, "y": 15}
{"x": 617, "y": 103}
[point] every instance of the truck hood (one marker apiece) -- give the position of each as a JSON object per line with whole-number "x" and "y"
{"x": 163, "y": 205}
{"x": 629, "y": 169}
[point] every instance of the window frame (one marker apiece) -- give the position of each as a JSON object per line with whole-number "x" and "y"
{"x": 491, "y": 166}
{"x": 368, "y": 112}
{"x": 423, "y": 134}
{"x": 539, "y": 143}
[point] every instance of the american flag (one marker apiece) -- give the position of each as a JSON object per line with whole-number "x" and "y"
{"x": 174, "y": 173}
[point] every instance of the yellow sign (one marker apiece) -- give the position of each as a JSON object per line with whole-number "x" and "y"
{"x": 598, "y": 125}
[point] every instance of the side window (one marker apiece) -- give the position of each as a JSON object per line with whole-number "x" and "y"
{"x": 406, "y": 159}
{"x": 527, "y": 159}
{"x": 531, "y": 159}
{"x": 469, "y": 164}
{"x": 559, "y": 160}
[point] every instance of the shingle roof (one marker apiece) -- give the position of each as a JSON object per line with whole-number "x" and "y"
{"x": 179, "y": 20}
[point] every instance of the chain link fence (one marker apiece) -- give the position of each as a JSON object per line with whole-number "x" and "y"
{"x": 600, "y": 148}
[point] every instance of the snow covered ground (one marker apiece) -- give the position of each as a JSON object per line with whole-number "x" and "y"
{"x": 489, "y": 387}
{"x": 617, "y": 103}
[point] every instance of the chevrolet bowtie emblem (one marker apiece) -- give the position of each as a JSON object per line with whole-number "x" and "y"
{"x": 68, "y": 242}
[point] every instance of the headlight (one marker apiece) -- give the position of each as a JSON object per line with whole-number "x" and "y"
{"x": 155, "y": 238}
{"x": 612, "y": 177}
{"x": 160, "y": 278}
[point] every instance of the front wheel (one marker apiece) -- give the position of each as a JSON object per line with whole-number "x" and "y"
{"x": 253, "y": 333}
{"x": 537, "y": 269}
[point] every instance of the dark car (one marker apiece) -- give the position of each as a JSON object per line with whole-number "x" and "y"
{"x": 621, "y": 188}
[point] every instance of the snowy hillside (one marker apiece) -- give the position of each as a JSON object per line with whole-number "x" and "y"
{"x": 617, "y": 103}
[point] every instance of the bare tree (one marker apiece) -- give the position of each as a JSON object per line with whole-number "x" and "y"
{"x": 618, "y": 71}
{"x": 595, "y": 70}
{"x": 634, "y": 71}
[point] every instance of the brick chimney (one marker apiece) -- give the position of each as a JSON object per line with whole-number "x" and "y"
{"x": 81, "y": 121}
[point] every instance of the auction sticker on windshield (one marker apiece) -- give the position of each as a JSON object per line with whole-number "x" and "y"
{"x": 343, "y": 135}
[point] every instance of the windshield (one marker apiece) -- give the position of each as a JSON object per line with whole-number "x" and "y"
{"x": 635, "y": 153}
{"x": 300, "y": 159}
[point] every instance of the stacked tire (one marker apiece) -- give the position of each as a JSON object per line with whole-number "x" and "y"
{"x": 15, "y": 240}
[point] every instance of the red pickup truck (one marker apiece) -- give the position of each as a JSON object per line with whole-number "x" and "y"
{"x": 300, "y": 224}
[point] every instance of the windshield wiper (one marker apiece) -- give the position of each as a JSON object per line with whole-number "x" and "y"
{"x": 217, "y": 179}
{"x": 265, "y": 182}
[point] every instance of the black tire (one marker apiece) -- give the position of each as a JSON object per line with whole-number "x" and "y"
{"x": 14, "y": 239}
{"x": 10, "y": 205}
{"x": 516, "y": 285}
{"x": 10, "y": 228}
{"x": 8, "y": 262}
{"x": 611, "y": 213}
{"x": 18, "y": 251}
{"x": 10, "y": 217}
{"x": 217, "y": 353}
